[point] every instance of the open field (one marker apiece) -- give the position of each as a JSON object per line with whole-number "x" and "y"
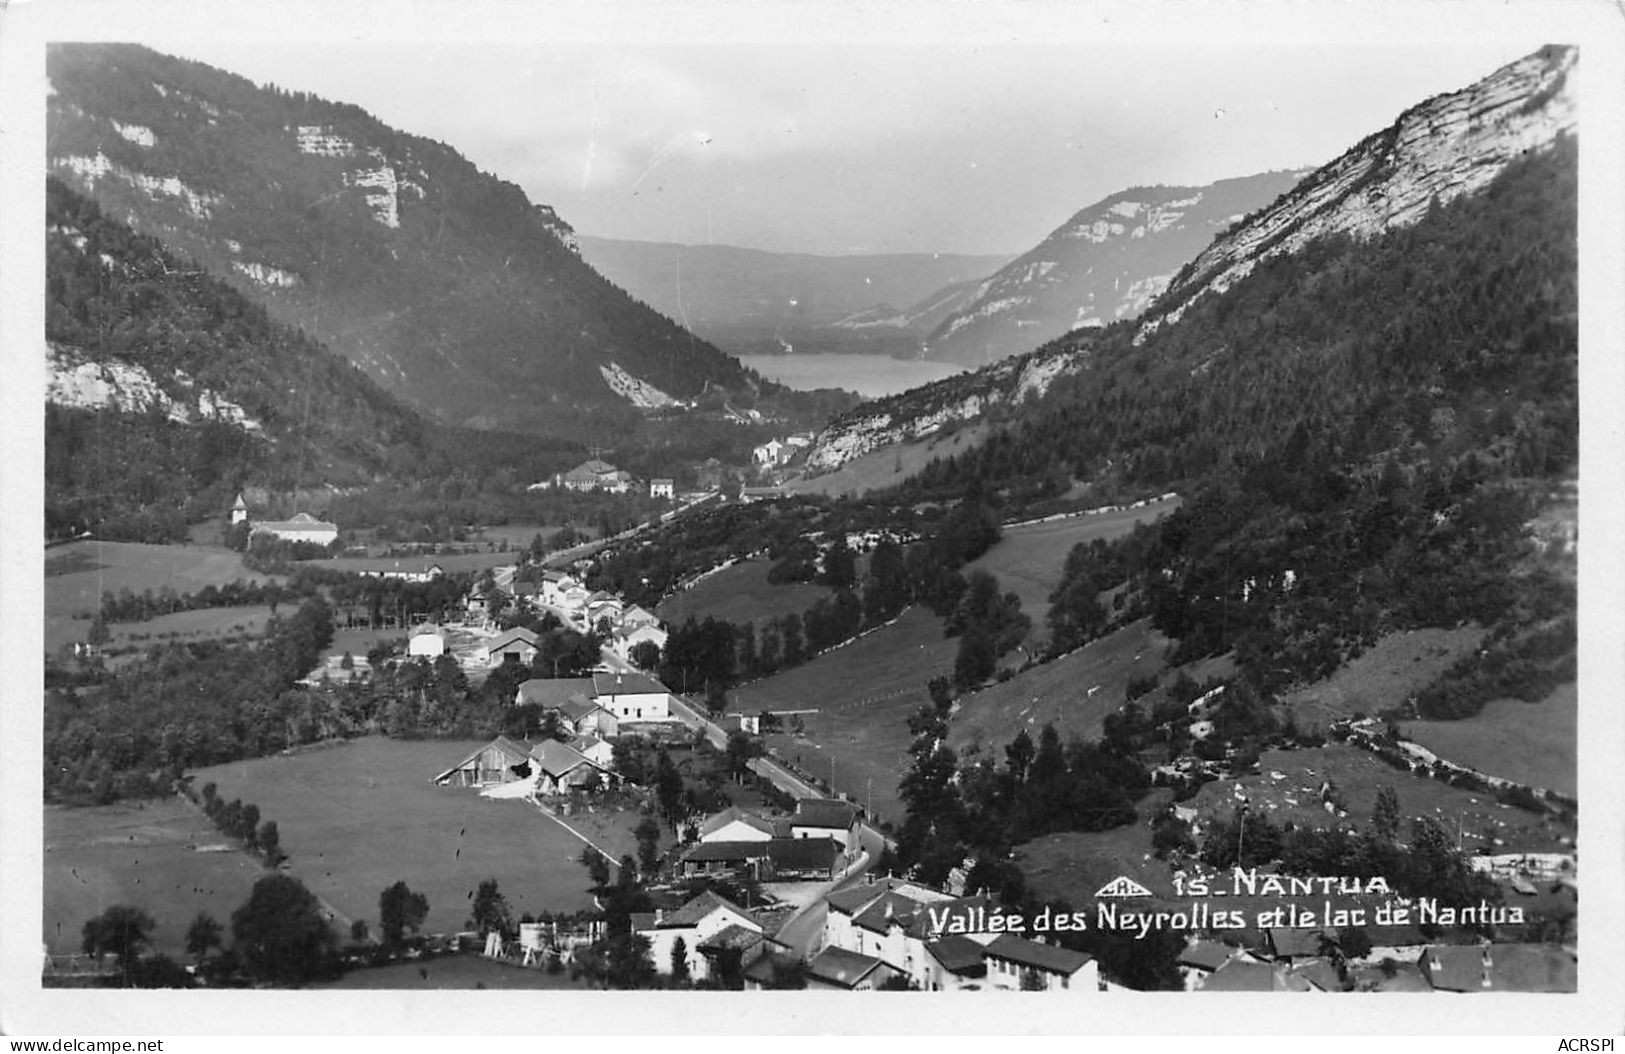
{"x": 1386, "y": 674}
{"x": 864, "y": 693}
{"x": 1359, "y": 775}
{"x": 889, "y": 465}
{"x": 1074, "y": 693}
{"x": 77, "y": 574}
{"x": 357, "y": 816}
{"x": 1028, "y": 559}
{"x": 519, "y": 535}
{"x": 1533, "y": 743}
{"x": 465, "y": 971}
{"x": 184, "y": 626}
{"x": 139, "y": 853}
{"x": 740, "y": 594}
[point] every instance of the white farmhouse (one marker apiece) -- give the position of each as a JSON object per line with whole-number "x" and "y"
{"x": 632, "y": 696}
{"x": 302, "y": 528}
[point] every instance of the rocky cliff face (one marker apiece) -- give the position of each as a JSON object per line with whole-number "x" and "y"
{"x": 1443, "y": 148}
{"x": 445, "y": 284}
{"x": 926, "y": 410}
{"x": 1106, "y": 263}
{"x": 1446, "y": 147}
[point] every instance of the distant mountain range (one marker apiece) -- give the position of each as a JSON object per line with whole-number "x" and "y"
{"x": 749, "y": 301}
{"x": 443, "y": 283}
{"x": 1441, "y": 150}
{"x": 1106, "y": 263}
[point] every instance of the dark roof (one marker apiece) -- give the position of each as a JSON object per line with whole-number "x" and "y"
{"x": 718, "y": 821}
{"x": 889, "y": 907}
{"x": 578, "y": 706}
{"x": 852, "y": 900}
{"x": 704, "y": 851}
{"x": 841, "y": 967}
{"x": 642, "y": 921}
{"x": 733, "y": 936}
{"x": 1454, "y": 967}
{"x": 626, "y": 684}
{"x": 1042, "y": 956}
{"x": 958, "y": 955}
{"x": 1288, "y": 942}
{"x": 555, "y": 758}
{"x": 1240, "y": 975}
{"x": 550, "y": 692}
{"x": 511, "y": 752}
{"x": 1209, "y": 955}
{"x": 1532, "y": 968}
{"x": 792, "y": 854}
{"x": 691, "y": 913}
{"x": 1320, "y": 973}
{"x": 824, "y": 812}
{"x": 504, "y": 639}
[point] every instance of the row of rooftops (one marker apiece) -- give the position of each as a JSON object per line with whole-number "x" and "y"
{"x": 880, "y": 906}
{"x": 1291, "y": 961}
{"x": 549, "y": 756}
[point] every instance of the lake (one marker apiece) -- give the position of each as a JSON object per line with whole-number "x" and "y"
{"x": 871, "y": 376}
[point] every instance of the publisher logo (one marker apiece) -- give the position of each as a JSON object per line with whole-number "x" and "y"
{"x": 1122, "y": 887}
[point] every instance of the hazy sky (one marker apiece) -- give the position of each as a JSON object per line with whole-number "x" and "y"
{"x": 877, "y": 138}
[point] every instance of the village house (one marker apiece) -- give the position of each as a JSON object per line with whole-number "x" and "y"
{"x": 1499, "y": 968}
{"x": 239, "y": 510}
{"x": 595, "y": 750}
{"x": 845, "y": 971}
{"x": 303, "y": 527}
{"x": 886, "y": 919}
{"x": 954, "y": 963}
{"x": 827, "y": 818}
{"x": 516, "y": 645}
{"x": 500, "y": 761}
{"x": 485, "y": 601}
{"x": 561, "y": 769}
{"x": 636, "y": 617}
{"x": 734, "y": 824}
{"x": 797, "y": 440}
{"x": 1245, "y": 974}
{"x": 769, "y": 453}
{"x": 708, "y": 923}
{"x": 662, "y": 488}
{"x": 1023, "y": 965}
{"x": 427, "y": 641}
{"x": 594, "y": 475}
{"x": 751, "y": 495}
{"x": 769, "y": 860}
{"x": 632, "y": 696}
{"x": 554, "y": 584}
{"x": 551, "y": 693}
{"x": 623, "y": 640}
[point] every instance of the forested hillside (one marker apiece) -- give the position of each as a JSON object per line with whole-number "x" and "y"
{"x": 171, "y": 390}
{"x": 444, "y": 283}
{"x": 1364, "y": 429}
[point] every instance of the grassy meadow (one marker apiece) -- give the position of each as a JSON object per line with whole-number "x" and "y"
{"x": 154, "y": 854}
{"x": 1028, "y": 559}
{"x": 355, "y": 817}
{"x": 740, "y": 594}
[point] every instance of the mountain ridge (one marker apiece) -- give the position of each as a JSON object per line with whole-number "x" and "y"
{"x": 1533, "y": 90}
{"x": 1107, "y": 262}
{"x": 446, "y": 284}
